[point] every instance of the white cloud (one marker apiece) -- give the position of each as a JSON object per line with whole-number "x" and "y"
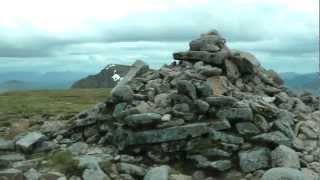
{"x": 88, "y": 34}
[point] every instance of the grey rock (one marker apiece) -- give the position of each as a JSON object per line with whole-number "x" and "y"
{"x": 202, "y": 162}
{"x": 202, "y": 107}
{"x": 52, "y": 176}
{"x": 180, "y": 177}
{"x": 168, "y": 134}
{"x": 211, "y": 43}
{"x": 203, "y": 90}
{"x": 210, "y": 71}
{"x": 162, "y": 100}
{"x": 220, "y": 125}
{"x": 215, "y": 152}
{"x": 27, "y": 141}
{"x": 96, "y": 174}
{"x": 79, "y": 148}
{"x": 232, "y": 70}
{"x": 137, "y": 68}
{"x": 187, "y": 88}
{"x": 6, "y": 145}
{"x": 142, "y": 119}
{"x": 32, "y": 174}
{"x": 158, "y": 173}
{"x": 284, "y": 123}
{"x": 51, "y": 127}
{"x": 309, "y": 174}
{"x": 131, "y": 169}
{"x": 239, "y": 113}
{"x": 11, "y": 174}
{"x": 6, "y": 160}
{"x": 225, "y": 138}
{"x": 198, "y": 175}
{"x": 26, "y": 165}
{"x": 274, "y": 137}
{"x": 247, "y": 128}
{"x": 46, "y": 146}
{"x": 221, "y": 165}
{"x": 215, "y": 58}
{"x": 261, "y": 122}
{"x": 246, "y": 62}
{"x": 122, "y": 94}
{"x": 221, "y": 101}
{"x": 283, "y": 173}
{"x": 284, "y": 156}
{"x": 254, "y": 159}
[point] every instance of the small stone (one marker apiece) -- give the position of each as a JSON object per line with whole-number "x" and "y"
{"x": 158, "y": 173}
{"x": 283, "y": 173}
{"x": 166, "y": 117}
{"x": 201, "y": 106}
{"x": 254, "y": 159}
{"x": 284, "y": 156}
{"x": 186, "y": 87}
{"x": 142, "y": 119}
{"x": 247, "y": 128}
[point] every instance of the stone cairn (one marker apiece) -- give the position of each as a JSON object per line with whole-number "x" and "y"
{"x": 213, "y": 109}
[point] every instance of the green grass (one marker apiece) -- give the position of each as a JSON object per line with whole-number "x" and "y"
{"x": 21, "y": 104}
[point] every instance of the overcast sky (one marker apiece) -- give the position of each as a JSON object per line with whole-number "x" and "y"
{"x": 86, "y": 35}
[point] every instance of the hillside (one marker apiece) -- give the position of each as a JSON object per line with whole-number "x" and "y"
{"x": 299, "y": 82}
{"x": 106, "y": 78}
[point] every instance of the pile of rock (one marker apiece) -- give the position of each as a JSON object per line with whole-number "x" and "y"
{"x": 213, "y": 113}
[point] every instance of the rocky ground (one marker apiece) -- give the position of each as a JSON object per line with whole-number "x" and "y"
{"x": 214, "y": 113}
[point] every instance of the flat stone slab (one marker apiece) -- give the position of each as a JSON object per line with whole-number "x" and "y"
{"x": 26, "y": 142}
{"x": 169, "y": 134}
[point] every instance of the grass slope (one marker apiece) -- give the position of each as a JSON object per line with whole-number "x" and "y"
{"x": 20, "y": 104}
